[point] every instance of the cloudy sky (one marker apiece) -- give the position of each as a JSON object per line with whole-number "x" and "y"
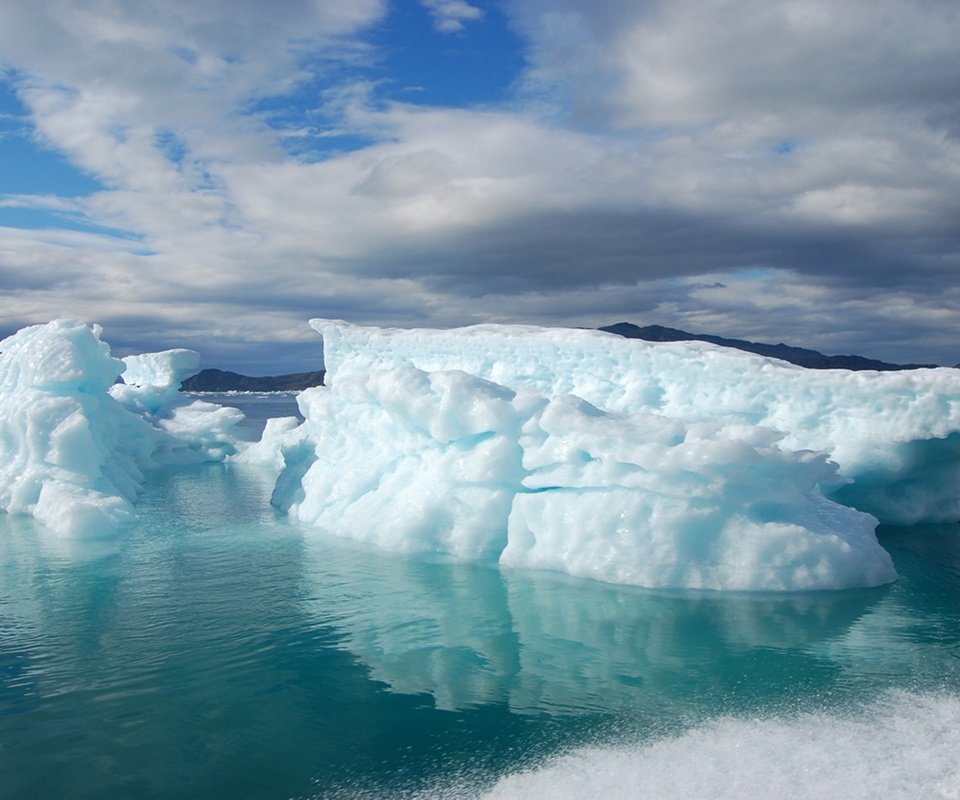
{"x": 212, "y": 174}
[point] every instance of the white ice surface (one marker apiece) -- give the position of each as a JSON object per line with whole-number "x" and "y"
{"x": 190, "y": 430}
{"x": 654, "y": 465}
{"x": 73, "y": 445}
{"x": 896, "y": 434}
{"x": 69, "y": 454}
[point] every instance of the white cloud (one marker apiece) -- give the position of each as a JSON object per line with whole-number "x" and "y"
{"x": 451, "y": 16}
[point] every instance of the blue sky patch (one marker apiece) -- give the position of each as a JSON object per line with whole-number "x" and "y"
{"x": 25, "y": 166}
{"x": 412, "y": 63}
{"x": 474, "y": 66}
{"x": 43, "y": 219}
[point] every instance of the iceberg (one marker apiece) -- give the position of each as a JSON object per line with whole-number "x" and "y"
{"x": 70, "y": 455}
{"x": 74, "y": 444}
{"x": 186, "y": 431}
{"x": 894, "y": 435}
{"x": 680, "y": 465}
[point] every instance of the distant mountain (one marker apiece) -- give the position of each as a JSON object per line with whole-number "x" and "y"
{"x": 795, "y": 355}
{"x": 219, "y": 380}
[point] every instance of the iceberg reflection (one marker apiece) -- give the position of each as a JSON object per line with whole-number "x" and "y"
{"x": 468, "y": 635}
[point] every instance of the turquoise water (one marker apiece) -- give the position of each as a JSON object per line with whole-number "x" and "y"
{"x": 218, "y": 651}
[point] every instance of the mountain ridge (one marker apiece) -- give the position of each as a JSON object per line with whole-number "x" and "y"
{"x": 801, "y": 356}
{"x": 221, "y": 380}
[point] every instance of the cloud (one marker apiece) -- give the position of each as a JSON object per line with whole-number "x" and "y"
{"x": 694, "y": 62}
{"x": 451, "y": 16}
{"x": 774, "y": 170}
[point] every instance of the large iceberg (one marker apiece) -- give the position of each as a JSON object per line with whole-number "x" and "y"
{"x": 660, "y": 465}
{"x": 895, "y": 435}
{"x": 74, "y": 443}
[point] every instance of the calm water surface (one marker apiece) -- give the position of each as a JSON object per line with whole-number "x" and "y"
{"x": 216, "y": 650}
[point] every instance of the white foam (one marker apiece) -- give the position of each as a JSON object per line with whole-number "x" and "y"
{"x": 902, "y": 747}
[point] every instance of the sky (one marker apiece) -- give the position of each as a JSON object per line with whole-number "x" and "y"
{"x": 213, "y": 174}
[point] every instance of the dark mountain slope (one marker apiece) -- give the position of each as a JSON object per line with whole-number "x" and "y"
{"x": 795, "y": 355}
{"x": 218, "y": 380}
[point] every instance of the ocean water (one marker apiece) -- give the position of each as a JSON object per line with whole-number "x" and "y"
{"x": 216, "y": 650}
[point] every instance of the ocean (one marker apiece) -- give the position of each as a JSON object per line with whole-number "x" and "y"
{"x": 218, "y": 650}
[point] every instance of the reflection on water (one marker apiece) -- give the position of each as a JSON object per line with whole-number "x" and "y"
{"x": 470, "y": 635}
{"x": 215, "y": 650}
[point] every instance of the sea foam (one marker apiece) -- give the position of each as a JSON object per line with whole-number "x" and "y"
{"x": 901, "y": 747}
